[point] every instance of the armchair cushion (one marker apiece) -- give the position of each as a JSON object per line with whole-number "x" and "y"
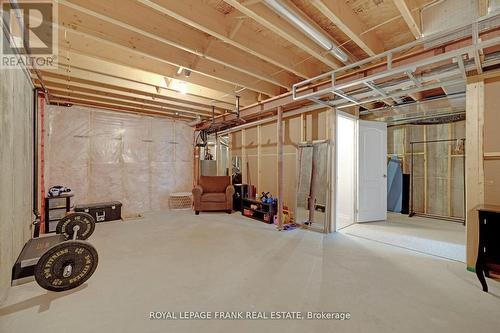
{"x": 213, "y": 197}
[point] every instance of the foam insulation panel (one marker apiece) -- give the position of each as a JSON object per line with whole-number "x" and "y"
{"x": 106, "y": 156}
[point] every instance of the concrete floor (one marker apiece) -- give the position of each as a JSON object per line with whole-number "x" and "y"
{"x": 217, "y": 262}
{"x": 436, "y": 237}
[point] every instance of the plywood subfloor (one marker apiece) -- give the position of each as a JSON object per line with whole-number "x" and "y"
{"x": 220, "y": 262}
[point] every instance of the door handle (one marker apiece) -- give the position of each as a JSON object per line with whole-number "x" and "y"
{"x": 385, "y": 176}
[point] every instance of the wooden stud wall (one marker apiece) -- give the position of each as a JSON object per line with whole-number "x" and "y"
{"x": 438, "y": 180}
{"x": 259, "y": 145}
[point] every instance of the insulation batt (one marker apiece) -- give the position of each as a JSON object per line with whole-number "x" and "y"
{"x": 106, "y": 156}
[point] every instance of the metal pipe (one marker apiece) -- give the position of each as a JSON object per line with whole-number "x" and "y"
{"x": 36, "y": 212}
{"x": 308, "y": 29}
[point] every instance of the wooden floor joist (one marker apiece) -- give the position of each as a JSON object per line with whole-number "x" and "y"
{"x": 112, "y": 107}
{"x": 72, "y": 87}
{"x": 122, "y": 24}
{"x": 211, "y": 21}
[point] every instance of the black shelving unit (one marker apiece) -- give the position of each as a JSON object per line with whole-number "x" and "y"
{"x": 55, "y": 209}
{"x": 263, "y": 210}
{"x": 240, "y": 192}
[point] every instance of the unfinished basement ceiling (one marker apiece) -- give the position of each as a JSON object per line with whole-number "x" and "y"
{"x": 131, "y": 56}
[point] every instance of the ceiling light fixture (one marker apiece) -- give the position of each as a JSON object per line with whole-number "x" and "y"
{"x": 309, "y": 30}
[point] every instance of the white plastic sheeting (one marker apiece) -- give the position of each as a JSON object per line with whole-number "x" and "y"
{"x": 106, "y": 156}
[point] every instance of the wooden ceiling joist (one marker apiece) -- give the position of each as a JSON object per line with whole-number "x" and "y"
{"x": 408, "y": 17}
{"x": 175, "y": 34}
{"x": 203, "y": 17}
{"x": 175, "y": 57}
{"x": 71, "y": 60}
{"x": 272, "y": 21}
{"x": 112, "y": 107}
{"x": 99, "y": 48}
{"x": 119, "y": 102}
{"x": 144, "y": 101}
{"x": 86, "y": 86}
{"x": 118, "y": 84}
{"x": 340, "y": 14}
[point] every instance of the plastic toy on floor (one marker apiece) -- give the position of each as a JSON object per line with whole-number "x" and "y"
{"x": 288, "y": 223}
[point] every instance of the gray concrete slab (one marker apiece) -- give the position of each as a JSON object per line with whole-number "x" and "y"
{"x": 176, "y": 261}
{"x": 436, "y": 237}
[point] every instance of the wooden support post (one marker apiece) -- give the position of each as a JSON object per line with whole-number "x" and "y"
{"x": 259, "y": 162}
{"x": 230, "y": 155}
{"x": 474, "y": 168}
{"x": 405, "y": 136}
{"x": 449, "y": 169}
{"x": 426, "y": 172}
{"x": 281, "y": 194}
{"x": 244, "y": 160}
{"x": 303, "y": 127}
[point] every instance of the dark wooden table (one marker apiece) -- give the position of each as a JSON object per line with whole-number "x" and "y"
{"x": 488, "y": 254}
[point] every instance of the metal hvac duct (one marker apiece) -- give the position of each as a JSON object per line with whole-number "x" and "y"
{"x": 309, "y": 30}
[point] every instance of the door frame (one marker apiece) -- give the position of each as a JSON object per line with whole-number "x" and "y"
{"x": 355, "y": 118}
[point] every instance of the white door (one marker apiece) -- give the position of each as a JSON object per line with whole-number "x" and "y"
{"x": 372, "y": 171}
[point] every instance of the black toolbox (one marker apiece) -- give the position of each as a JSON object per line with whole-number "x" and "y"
{"x": 102, "y": 212}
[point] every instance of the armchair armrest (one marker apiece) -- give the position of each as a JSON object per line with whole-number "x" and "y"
{"x": 229, "y": 198}
{"x": 229, "y": 191}
{"x": 197, "y": 191}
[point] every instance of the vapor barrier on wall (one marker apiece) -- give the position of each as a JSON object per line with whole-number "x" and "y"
{"x": 105, "y": 156}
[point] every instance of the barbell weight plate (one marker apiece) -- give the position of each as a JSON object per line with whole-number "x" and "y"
{"x": 85, "y": 221}
{"x": 66, "y": 265}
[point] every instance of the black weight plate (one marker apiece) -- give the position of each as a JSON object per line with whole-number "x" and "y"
{"x": 82, "y": 257}
{"x": 85, "y": 221}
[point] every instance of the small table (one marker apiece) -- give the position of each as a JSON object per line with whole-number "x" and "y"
{"x": 488, "y": 256}
{"x": 55, "y": 209}
{"x": 180, "y": 200}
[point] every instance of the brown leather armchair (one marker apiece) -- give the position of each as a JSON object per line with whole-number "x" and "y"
{"x": 213, "y": 193}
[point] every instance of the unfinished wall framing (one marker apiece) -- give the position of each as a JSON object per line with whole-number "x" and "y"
{"x": 104, "y": 156}
{"x": 257, "y": 147}
{"x": 438, "y": 167}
